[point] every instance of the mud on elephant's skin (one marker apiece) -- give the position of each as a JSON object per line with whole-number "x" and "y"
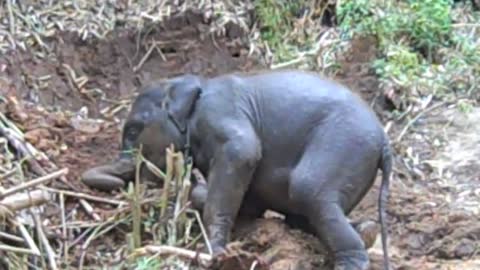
{"x": 289, "y": 141}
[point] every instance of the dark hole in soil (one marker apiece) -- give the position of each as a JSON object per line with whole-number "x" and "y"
{"x": 169, "y": 50}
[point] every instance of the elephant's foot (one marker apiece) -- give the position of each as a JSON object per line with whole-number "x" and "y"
{"x": 352, "y": 260}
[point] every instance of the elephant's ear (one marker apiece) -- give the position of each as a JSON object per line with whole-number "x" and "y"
{"x": 182, "y": 94}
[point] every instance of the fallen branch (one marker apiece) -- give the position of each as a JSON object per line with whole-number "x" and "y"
{"x": 33, "y": 183}
{"x": 8, "y": 174}
{"x": 22, "y": 201}
{"x": 28, "y": 238}
{"x": 85, "y": 196}
{"x": 202, "y": 229}
{"x": 64, "y": 228}
{"x": 169, "y": 250}
{"x": 11, "y": 237}
{"x": 48, "y": 248}
{"x": 144, "y": 58}
{"x": 89, "y": 209}
{"x": 18, "y": 250}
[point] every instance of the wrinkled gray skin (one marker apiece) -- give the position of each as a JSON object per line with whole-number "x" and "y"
{"x": 289, "y": 141}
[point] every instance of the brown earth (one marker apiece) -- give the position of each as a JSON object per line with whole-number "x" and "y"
{"x": 424, "y": 231}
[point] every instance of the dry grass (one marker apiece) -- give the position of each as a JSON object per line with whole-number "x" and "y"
{"x": 27, "y": 25}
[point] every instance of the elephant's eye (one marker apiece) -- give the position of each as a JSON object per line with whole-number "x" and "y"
{"x": 132, "y": 133}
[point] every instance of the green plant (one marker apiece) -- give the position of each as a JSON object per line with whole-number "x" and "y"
{"x": 400, "y": 64}
{"x": 276, "y": 22}
{"x": 144, "y": 263}
{"x": 431, "y": 23}
{"x": 419, "y": 48}
{"x": 464, "y": 107}
{"x": 424, "y": 24}
{"x": 355, "y": 16}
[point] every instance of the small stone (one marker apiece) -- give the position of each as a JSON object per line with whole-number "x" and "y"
{"x": 465, "y": 248}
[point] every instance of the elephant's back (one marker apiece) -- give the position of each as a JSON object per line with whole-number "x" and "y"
{"x": 291, "y": 102}
{"x": 298, "y": 95}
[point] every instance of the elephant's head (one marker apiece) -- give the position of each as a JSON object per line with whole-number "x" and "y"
{"x": 157, "y": 119}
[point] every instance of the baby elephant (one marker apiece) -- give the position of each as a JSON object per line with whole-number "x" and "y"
{"x": 289, "y": 141}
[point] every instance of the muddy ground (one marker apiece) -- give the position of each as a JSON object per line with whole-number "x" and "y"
{"x": 433, "y": 209}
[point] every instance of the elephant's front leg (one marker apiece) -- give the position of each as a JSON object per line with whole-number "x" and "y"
{"x": 228, "y": 181}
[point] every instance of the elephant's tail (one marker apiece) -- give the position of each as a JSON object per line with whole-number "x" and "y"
{"x": 386, "y": 167}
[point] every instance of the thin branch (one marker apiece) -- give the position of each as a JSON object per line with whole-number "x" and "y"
{"x": 48, "y": 248}
{"x": 64, "y": 229}
{"x": 18, "y": 250}
{"x": 89, "y": 209}
{"x": 33, "y": 183}
{"x": 26, "y": 235}
{"x": 22, "y": 201}
{"x": 11, "y": 237}
{"x": 144, "y": 58}
{"x": 12, "y": 22}
{"x": 202, "y": 229}
{"x": 86, "y": 196}
{"x": 169, "y": 250}
{"x": 8, "y": 174}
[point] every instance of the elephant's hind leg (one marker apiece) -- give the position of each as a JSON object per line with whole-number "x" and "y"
{"x": 330, "y": 178}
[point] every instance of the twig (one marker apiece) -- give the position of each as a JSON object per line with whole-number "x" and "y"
{"x": 85, "y": 246}
{"x": 11, "y": 237}
{"x": 89, "y": 209}
{"x": 41, "y": 234}
{"x": 33, "y": 183}
{"x": 202, "y": 229}
{"x": 163, "y": 250}
{"x": 183, "y": 192}
{"x": 144, "y": 58}
{"x": 75, "y": 224}
{"x": 9, "y": 123}
{"x": 166, "y": 183}
{"x": 64, "y": 229}
{"x": 27, "y": 237}
{"x": 409, "y": 124}
{"x": 80, "y": 237}
{"x": 22, "y": 201}
{"x": 288, "y": 63}
{"x": 18, "y": 250}
{"x": 12, "y": 22}
{"x": 161, "y": 53}
{"x": 388, "y": 126}
{"x": 86, "y": 196}
{"x": 254, "y": 264}
{"x": 135, "y": 204}
{"x": 154, "y": 169}
{"x": 8, "y": 174}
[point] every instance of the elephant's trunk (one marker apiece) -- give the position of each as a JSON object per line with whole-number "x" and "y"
{"x": 111, "y": 176}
